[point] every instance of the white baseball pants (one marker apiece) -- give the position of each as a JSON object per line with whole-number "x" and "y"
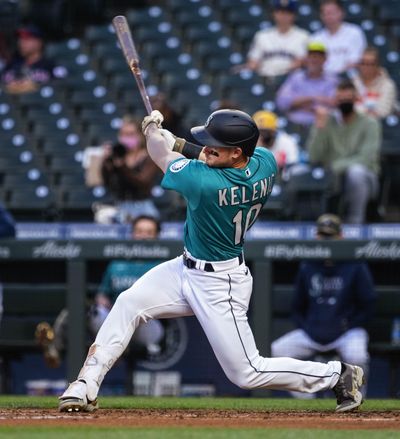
{"x": 220, "y": 301}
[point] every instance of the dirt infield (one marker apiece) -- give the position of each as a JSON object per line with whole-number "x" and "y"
{"x": 203, "y": 418}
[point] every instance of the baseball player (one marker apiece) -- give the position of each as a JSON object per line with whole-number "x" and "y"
{"x": 225, "y": 184}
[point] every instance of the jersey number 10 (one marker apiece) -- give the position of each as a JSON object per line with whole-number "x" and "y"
{"x": 251, "y": 216}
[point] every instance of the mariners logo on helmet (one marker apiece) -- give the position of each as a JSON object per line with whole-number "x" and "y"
{"x": 230, "y": 129}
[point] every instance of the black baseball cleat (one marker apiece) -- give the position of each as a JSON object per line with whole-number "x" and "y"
{"x": 347, "y": 389}
{"x": 74, "y": 399}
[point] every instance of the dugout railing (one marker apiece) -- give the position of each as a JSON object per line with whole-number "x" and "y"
{"x": 42, "y": 276}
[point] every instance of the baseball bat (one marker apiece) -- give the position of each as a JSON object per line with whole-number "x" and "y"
{"x": 128, "y": 47}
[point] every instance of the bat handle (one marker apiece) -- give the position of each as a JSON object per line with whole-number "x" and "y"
{"x": 137, "y": 73}
{"x": 147, "y": 104}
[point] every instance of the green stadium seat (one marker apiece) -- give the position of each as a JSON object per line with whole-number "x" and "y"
{"x": 145, "y": 17}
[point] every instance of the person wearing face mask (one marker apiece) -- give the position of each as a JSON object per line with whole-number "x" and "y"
{"x": 282, "y": 145}
{"x": 348, "y": 142}
{"x": 129, "y": 173}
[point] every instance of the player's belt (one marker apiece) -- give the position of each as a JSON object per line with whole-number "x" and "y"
{"x": 212, "y": 266}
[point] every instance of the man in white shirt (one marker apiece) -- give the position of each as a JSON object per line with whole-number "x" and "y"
{"x": 279, "y": 49}
{"x": 345, "y": 42}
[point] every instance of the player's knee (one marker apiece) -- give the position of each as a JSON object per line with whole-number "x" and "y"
{"x": 241, "y": 379}
{"x": 241, "y": 382}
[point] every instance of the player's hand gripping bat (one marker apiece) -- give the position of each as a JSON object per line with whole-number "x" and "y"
{"x": 128, "y": 47}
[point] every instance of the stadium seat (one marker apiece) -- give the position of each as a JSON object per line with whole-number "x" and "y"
{"x": 273, "y": 209}
{"x": 25, "y": 178}
{"x": 95, "y": 34}
{"x": 88, "y": 98}
{"x": 21, "y": 160}
{"x": 30, "y": 197}
{"x": 307, "y": 194}
{"x": 42, "y": 98}
{"x": 357, "y": 12}
{"x": 389, "y": 11}
{"x": 72, "y": 180}
{"x": 145, "y": 17}
{"x": 239, "y": 17}
{"x": 97, "y": 133}
{"x": 114, "y": 66}
{"x": 100, "y": 52}
{"x": 63, "y": 163}
{"x": 145, "y": 34}
{"x": 217, "y": 66}
{"x": 391, "y": 127}
{"x": 83, "y": 198}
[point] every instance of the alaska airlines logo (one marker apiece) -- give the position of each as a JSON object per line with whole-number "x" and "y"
{"x": 50, "y": 249}
{"x": 379, "y": 251}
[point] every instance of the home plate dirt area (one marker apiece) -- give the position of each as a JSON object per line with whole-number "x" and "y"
{"x": 204, "y": 418}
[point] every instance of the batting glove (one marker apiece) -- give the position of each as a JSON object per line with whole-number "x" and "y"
{"x": 155, "y": 117}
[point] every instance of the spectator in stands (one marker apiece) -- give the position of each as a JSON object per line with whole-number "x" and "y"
{"x": 278, "y": 50}
{"x": 348, "y": 143}
{"x": 345, "y": 42}
{"x": 29, "y": 68}
{"x": 306, "y": 89}
{"x": 281, "y": 144}
{"x": 333, "y": 301}
{"x": 129, "y": 173}
{"x": 119, "y": 276}
{"x": 377, "y": 93}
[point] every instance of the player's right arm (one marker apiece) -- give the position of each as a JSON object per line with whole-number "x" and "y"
{"x": 163, "y": 146}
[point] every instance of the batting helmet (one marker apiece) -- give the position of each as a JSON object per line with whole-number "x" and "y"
{"x": 228, "y": 128}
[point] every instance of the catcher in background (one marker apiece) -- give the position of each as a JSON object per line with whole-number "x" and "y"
{"x": 332, "y": 304}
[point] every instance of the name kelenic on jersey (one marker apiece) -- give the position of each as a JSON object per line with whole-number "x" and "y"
{"x": 222, "y": 203}
{"x": 235, "y": 195}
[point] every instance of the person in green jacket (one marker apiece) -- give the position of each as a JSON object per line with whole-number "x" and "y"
{"x": 348, "y": 143}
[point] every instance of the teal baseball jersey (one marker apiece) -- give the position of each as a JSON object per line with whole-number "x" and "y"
{"x": 222, "y": 203}
{"x": 121, "y": 275}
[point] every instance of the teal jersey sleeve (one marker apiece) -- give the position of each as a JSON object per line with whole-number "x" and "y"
{"x": 180, "y": 175}
{"x": 222, "y": 203}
